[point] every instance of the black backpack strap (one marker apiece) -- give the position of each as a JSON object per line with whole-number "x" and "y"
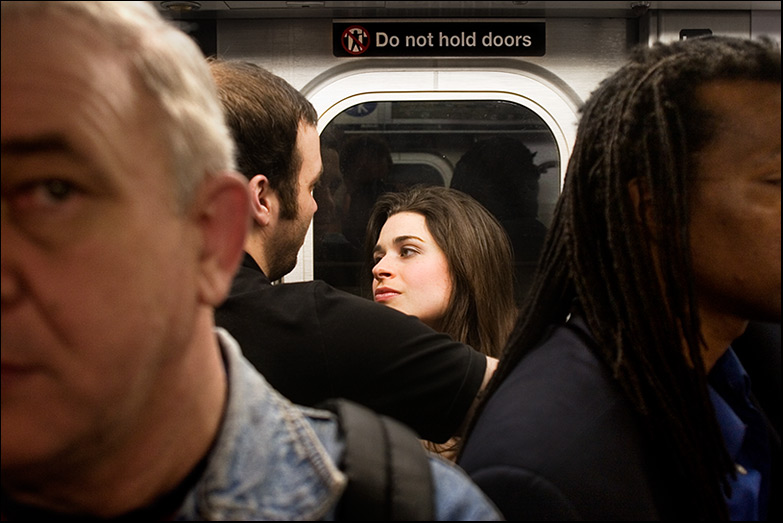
{"x": 388, "y": 470}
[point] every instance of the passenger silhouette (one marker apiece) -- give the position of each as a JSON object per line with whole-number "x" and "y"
{"x": 365, "y": 162}
{"x": 499, "y": 172}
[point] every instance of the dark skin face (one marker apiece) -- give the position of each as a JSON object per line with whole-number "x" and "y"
{"x": 735, "y": 213}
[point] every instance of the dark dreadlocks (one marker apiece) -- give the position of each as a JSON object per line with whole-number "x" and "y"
{"x": 644, "y": 123}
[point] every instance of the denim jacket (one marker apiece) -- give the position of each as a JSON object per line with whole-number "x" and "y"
{"x": 273, "y": 460}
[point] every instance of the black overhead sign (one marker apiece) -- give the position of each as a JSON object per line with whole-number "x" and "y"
{"x": 439, "y": 38}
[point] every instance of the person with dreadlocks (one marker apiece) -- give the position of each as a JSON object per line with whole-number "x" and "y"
{"x": 618, "y": 395}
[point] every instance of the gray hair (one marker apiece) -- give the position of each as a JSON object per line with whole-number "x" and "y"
{"x": 174, "y": 71}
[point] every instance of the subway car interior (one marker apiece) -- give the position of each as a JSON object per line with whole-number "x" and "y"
{"x": 481, "y": 96}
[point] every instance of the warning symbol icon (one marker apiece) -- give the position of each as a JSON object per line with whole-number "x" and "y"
{"x": 356, "y": 40}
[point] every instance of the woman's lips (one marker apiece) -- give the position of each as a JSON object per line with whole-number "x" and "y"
{"x": 385, "y": 293}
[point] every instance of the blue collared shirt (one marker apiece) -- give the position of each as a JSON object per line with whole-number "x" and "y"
{"x": 275, "y": 461}
{"x": 745, "y": 435}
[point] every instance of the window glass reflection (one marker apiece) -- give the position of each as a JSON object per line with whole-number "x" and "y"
{"x": 499, "y": 152}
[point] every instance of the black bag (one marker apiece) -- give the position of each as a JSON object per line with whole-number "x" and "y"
{"x": 387, "y": 468}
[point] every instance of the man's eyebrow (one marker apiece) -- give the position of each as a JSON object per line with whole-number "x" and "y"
{"x": 53, "y": 143}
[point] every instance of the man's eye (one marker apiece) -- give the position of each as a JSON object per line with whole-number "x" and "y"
{"x": 42, "y": 194}
{"x": 57, "y": 190}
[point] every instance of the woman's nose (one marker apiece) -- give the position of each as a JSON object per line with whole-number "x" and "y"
{"x": 381, "y": 269}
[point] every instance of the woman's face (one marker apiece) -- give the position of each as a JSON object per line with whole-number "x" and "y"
{"x": 410, "y": 272}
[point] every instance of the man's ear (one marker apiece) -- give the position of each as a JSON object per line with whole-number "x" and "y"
{"x": 261, "y": 202}
{"x": 641, "y": 199}
{"x": 221, "y": 212}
